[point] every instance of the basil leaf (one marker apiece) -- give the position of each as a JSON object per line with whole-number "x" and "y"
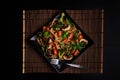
{"x": 75, "y": 34}
{"x": 79, "y": 47}
{"x": 68, "y": 21}
{"x": 76, "y": 31}
{"x": 46, "y": 34}
{"x": 75, "y": 47}
{"x": 57, "y": 25}
{"x": 82, "y": 44}
{"x": 64, "y": 35}
{"x": 43, "y": 49}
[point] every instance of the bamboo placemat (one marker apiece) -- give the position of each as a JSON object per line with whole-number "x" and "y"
{"x": 90, "y": 21}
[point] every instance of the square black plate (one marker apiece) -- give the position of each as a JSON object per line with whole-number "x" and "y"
{"x": 60, "y": 38}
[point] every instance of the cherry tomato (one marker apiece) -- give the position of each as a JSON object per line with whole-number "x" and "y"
{"x": 45, "y": 28}
{"x": 59, "y": 33}
{"x": 65, "y": 40}
{"x": 76, "y": 52}
{"x": 70, "y": 35}
{"x": 55, "y": 51}
{"x": 80, "y": 36}
{"x": 72, "y": 51}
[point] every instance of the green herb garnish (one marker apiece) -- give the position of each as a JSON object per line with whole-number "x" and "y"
{"x": 46, "y": 33}
{"x": 68, "y": 21}
{"x": 43, "y": 48}
{"x": 60, "y": 20}
{"x": 64, "y": 35}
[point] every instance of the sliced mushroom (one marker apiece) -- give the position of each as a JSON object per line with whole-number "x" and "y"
{"x": 68, "y": 57}
{"x": 67, "y": 28}
{"x": 84, "y": 40}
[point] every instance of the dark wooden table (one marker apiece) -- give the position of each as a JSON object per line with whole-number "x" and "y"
{"x": 90, "y": 21}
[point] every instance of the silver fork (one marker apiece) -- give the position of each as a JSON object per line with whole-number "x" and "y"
{"x": 56, "y": 62}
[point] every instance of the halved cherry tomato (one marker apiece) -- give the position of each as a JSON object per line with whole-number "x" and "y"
{"x": 72, "y": 51}
{"x": 59, "y": 33}
{"x": 45, "y": 28}
{"x": 80, "y": 36}
{"x": 70, "y": 35}
{"x": 76, "y": 52}
{"x": 55, "y": 51}
{"x": 65, "y": 40}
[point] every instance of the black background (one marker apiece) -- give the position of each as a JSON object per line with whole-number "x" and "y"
{"x": 111, "y": 38}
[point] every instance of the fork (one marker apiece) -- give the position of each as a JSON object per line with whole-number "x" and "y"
{"x": 56, "y": 62}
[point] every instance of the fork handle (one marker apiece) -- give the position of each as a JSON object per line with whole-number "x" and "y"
{"x": 75, "y": 65}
